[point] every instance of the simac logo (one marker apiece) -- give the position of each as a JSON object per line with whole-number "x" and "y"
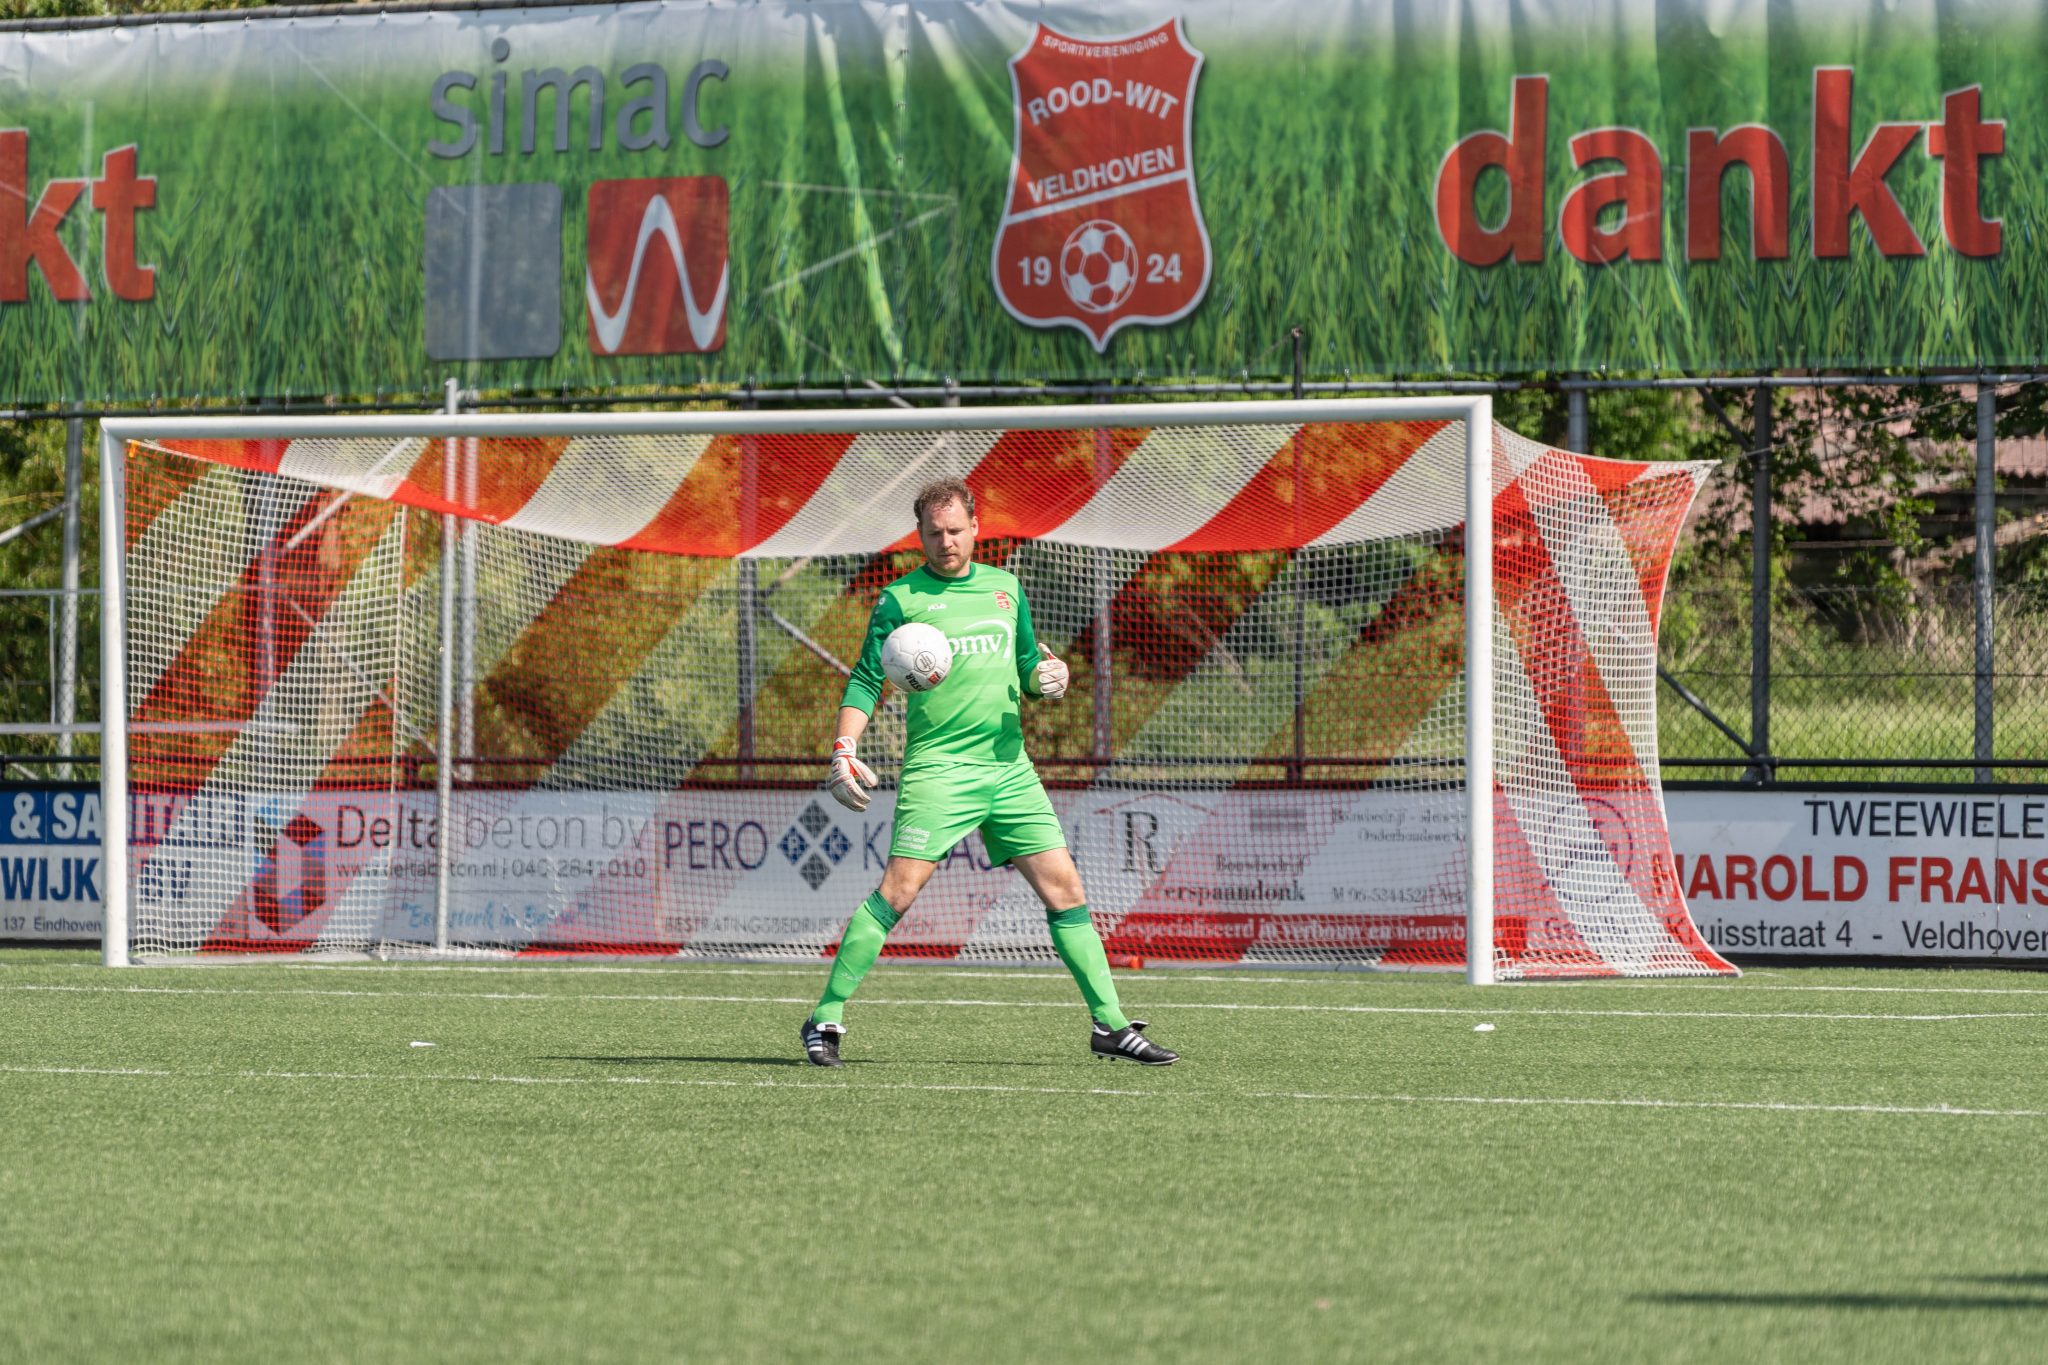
{"x": 657, "y": 265}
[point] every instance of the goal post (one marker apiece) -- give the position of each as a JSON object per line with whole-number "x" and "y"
{"x": 1357, "y": 683}
{"x": 113, "y": 703}
{"x": 1479, "y": 719}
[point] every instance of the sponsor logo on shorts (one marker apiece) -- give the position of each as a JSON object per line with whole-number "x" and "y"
{"x": 910, "y": 836}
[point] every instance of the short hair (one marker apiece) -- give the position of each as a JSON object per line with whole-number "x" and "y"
{"x": 938, "y": 493}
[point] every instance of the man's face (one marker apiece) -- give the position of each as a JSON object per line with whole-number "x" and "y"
{"x": 948, "y": 533}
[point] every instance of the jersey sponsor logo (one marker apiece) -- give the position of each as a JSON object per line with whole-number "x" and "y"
{"x": 934, "y": 606}
{"x": 996, "y": 643}
{"x": 1003, "y": 600}
{"x": 1102, "y": 228}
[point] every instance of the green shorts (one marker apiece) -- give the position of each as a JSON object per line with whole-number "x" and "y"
{"x": 939, "y": 804}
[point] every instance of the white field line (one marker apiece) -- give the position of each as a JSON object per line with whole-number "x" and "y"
{"x": 910, "y": 970}
{"x": 1747, "y": 988}
{"x": 823, "y": 966}
{"x": 1175, "y": 975}
{"x": 1530, "y": 1101}
{"x": 779, "y": 1000}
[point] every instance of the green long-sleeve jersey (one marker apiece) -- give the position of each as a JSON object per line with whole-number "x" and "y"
{"x": 971, "y": 717}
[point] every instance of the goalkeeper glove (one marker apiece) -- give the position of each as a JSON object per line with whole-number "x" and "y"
{"x": 850, "y": 777}
{"x": 1052, "y": 676}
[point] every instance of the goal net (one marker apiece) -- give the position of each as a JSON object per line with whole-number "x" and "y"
{"x": 567, "y": 685}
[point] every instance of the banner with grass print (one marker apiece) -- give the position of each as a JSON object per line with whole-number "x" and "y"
{"x": 667, "y": 194}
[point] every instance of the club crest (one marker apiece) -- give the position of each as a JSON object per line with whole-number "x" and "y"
{"x": 1102, "y": 228}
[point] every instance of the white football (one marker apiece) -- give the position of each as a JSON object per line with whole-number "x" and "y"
{"x": 916, "y": 657}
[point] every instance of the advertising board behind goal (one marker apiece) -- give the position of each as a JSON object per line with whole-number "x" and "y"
{"x": 1928, "y": 877}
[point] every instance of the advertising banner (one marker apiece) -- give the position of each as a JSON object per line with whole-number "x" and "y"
{"x": 1865, "y": 874}
{"x": 673, "y": 193}
{"x": 753, "y": 869}
{"x": 49, "y": 862}
{"x": 1779, "y": 873}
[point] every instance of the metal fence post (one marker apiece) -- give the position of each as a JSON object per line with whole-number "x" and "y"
{"x": 1577, "y": 436}
{"x": 445, "y": 739}
{"x": 1987, "y": 546}
{"x": 749, "y": 588}
{"x": 1299, "y": 767}
{"x": 1101, "y": 644}
{"x": 1760, "y": 591}
{"x": 67, "y": 606}
{"x": 465, "y": 617}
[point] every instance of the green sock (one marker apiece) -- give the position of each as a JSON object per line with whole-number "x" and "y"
{"x": 859, "y": 946}
{"x": 1080, "y": 947}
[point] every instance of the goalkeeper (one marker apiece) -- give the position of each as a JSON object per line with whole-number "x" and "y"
{"x": 964, "y": 768}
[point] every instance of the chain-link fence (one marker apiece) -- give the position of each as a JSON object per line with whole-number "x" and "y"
{"x": 1892, "y": 626}
{"x": 42, "y": 695}
{"x": 1897, "y": 653}
{"x": 1860, "y": 686}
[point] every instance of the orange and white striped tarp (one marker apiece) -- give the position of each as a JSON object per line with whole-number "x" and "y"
{"x": 1275, "y": 611}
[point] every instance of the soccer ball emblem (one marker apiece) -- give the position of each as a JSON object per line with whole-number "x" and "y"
{"x": 1099, "y": 265}
{"x": 916, "y": 657}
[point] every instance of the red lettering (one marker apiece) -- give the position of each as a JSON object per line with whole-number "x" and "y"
{"x": 1843, "y": 188}
{"x": 1707, "y": 160}
{"x": 1843, "y": 890}
{"x": 1520, "y": 155}
{"x": 1703, "y": 882}
{"x": 31, "y": 235}
{"x": 1780, "y": 887}
{"x": 1638, "y": 187}
{"x": 1971, "y": 883}
{"x": 2041, "y": 882}
{"x": 120, "y": 194}
{"x": 2012, "y": 882}
{"x": 1741, "y": 872}
{"x": 1960, "y": 140}
{"x": 1619, "y": 214}
{"x": 1900, "y": 875}
{"x": 1935, "y": 874}
{"x": 1808, "y": 888}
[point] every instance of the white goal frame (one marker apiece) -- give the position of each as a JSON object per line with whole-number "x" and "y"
{"x": 1476, "y": 412}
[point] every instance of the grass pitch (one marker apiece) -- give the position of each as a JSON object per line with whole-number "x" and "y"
{"x": 611, "y": 1164}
